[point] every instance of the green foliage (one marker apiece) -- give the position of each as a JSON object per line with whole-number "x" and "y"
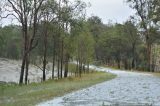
{"x": 147, "y": 13}
{"x": 10, "y": 42}
{"x": 68, "y": 35}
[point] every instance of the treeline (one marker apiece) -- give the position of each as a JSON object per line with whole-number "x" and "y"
{"x": 133, "y": 44}
{"x": 49, "y": 32}
{"x": 58, "y": 32}
{"x": 10, "y": 42}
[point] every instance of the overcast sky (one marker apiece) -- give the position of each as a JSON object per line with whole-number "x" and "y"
{"x": 115, "y": 10}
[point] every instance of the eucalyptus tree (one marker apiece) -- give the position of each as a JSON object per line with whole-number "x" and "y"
{"x": 26, "y": 12}
{"x": 96, "y": 28}
{"x": 133, "y": 39}
{"x": 88, "y": 48}
{"x": 147, "y": 13}
{"x": 48, "y": 13}
{"x": 70, "y": 11}
{"x": 156, "y": 13}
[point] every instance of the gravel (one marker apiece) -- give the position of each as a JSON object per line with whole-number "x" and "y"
{"x": 128, "y": 89}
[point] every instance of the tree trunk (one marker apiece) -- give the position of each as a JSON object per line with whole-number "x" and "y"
{"x": 84, "y": 69}
{"x": 44, "y": 56}
{"x": 80, "y": 68}
{"x": 25, "y": 35}
{"x": 149, "y": 56}
{"x": 66, "y": 70}
{"x": 88, "y": 67}
{"x": 133, "y": 59}
{"x": 58, "y": 65}
{"x": 22, "y": 70}
{"x": 53, "y": 64}
{"x": 62, "y": 58}
{"x": 118, "y": 63}
{"x": 77, "y": 68}
{"x": 125, "y": 64}
{"x": 44, "y": 66}
{"x": 44, "y": 69}
{"x": 27, "y": 59}
{"x": 66, "y": 67}
{"x": 27, "y": 68}
{"x": 133, "y": 63}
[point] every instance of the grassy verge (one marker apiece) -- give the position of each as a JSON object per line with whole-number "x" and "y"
{"x": 157, "y": 74}
{"x": 14, "y": 95}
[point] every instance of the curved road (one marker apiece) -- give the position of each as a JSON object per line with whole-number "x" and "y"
{"x": 128, "y": 89}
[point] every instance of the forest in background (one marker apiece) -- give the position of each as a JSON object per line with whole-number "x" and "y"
{"x": 58, "y": 31}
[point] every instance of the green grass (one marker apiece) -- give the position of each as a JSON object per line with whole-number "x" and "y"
{"x": 112, "y": 67}
{"x": 14, "y": 95}
{"x": 156, "y": 74}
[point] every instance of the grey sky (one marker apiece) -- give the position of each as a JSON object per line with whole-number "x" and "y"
{"x": 115, "y": 10}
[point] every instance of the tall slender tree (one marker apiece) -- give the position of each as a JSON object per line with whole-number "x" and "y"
{"x": 144, "y": 9}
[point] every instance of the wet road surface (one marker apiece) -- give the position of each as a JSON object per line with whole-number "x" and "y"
{"x": 128, "y": 89}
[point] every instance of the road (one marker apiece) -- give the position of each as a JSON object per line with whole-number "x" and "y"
{"x": 128, "y": 89}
